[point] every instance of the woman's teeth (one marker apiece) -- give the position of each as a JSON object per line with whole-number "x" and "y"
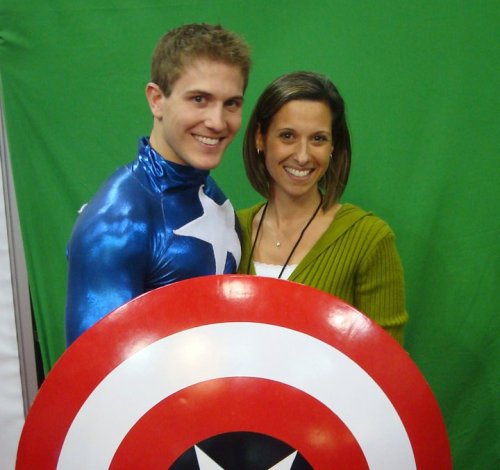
{"x": 298, "y": 173}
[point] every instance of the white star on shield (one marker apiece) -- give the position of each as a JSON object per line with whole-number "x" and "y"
{"x": 215, "y": 226}
{"x": 206, "y": 463}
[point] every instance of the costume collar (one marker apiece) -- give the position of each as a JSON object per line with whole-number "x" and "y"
{"x": 165, "y": 175}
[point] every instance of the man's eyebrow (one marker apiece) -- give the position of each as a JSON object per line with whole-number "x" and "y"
{"x": 198, "y": 92}
{"x": 207, "y": 93}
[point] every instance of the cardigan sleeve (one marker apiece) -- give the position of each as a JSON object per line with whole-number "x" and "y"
{"x": 379, "y": 287}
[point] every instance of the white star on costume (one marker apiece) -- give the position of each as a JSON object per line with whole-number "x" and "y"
{"x": 206, "y": 463}
{"x": 215, "y": 226}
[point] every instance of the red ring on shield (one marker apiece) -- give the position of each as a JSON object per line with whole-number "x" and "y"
{"x": 276, "y": 410}
{"x": 189, "y": 352}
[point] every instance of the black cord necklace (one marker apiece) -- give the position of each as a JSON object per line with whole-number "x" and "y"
{"x": 294, "y": 246}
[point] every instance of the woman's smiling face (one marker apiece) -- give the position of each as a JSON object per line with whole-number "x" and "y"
{"x": 297, "y": 146}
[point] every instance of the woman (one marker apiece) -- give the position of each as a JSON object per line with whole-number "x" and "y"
{"x": 297, "y": 155}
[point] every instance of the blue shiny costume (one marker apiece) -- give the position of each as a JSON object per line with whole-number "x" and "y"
{"x": 152, "y": 223}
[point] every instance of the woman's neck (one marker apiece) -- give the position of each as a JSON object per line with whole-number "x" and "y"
{"x": 283, "y": 209}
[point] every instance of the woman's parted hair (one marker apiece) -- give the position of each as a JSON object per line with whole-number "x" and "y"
{"x": 181, "y": 46}
{"x": 300, "y": 86}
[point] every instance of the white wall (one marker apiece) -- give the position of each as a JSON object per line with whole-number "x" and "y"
{"x": 11, "y": 400}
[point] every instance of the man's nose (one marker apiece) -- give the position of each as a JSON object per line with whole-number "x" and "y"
{"x": 215, "y": 118}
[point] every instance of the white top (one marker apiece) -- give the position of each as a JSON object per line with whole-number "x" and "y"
{"x": 273, "y": 270}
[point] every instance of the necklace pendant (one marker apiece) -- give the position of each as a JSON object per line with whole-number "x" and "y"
{"x": 278, "y": 244}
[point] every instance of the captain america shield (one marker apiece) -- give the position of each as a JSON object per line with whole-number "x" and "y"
{"x": 235, "y": 372}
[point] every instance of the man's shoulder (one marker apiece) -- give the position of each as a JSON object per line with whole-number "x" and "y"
{"x": 120, "y": 201}
{"x": 213, "y": 190}
{"x": 122, "y": 189}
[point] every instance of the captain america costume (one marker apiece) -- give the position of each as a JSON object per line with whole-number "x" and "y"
{"x": 152, "y": 223}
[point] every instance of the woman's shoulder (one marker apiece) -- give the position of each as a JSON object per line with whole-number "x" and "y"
{"x": 362, "y": 219}
{"x": 246, "y": 215}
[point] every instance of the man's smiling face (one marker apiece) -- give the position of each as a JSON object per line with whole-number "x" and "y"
{"x": 195, "y": 124}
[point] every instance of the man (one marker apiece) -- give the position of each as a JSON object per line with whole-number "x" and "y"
{"x": 162, "y": 218}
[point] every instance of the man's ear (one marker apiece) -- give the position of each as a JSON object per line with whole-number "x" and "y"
{"x": 155, "y": 96}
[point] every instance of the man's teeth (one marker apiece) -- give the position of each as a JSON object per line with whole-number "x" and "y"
{"x": 298, "y": 173}
{"x": 206, "y": 140}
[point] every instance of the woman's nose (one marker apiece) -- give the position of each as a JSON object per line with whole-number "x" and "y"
{"x": 302, "y": 153}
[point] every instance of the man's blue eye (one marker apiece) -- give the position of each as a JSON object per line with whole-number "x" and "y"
{"x": 233, "y": 104}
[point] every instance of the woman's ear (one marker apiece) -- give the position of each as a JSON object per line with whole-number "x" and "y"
{"x": 155, "y": 96}
{"x": 259, "y": 140}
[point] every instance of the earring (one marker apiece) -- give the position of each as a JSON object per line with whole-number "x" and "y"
{"x": 260, "y": 153}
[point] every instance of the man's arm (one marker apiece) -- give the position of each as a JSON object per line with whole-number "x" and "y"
{"x": 106, "y": 268}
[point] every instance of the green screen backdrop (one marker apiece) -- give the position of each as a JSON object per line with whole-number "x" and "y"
{"x": 421, "y": 83}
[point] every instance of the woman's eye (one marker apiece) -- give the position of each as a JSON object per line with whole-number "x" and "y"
{"x": 320, "y": 138}
{"x": 286, "y": 135}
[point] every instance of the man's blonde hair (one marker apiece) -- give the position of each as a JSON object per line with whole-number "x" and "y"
{"x": 181, "y": 46}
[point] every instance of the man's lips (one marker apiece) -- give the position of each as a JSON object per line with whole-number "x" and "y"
{"x": 207, "y": 140}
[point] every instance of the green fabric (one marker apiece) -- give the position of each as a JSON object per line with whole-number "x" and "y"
{"x": 355, "y": 259}
{"x": 420, "y": 80}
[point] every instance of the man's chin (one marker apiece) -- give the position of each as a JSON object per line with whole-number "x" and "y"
{"x": 207, "y": 163}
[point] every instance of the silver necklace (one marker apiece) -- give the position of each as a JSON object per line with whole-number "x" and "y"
{"x": 259, "y": 227}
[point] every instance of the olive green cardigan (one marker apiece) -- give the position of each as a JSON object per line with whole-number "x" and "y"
{"x": 355, "y": 259}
